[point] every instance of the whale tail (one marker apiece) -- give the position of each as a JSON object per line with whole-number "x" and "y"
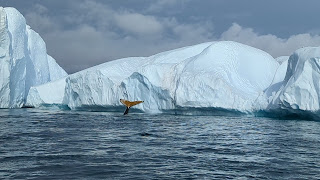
{"x": 129, "y": 104}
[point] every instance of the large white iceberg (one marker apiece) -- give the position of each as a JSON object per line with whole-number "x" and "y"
{"x": 300, "y": 89}
{"x": 220, "y": 75}
{"x": 224, "y": 74}
{"x": 23, "y": 60}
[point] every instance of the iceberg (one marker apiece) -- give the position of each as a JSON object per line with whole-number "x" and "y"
{"x": 23, "y": 60}
{"x": 222, "y": 77}
{"x": 225, "y": 74}
{"x": 300, "y": 90}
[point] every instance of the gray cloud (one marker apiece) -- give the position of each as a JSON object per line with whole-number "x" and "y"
{"x": 83, "y": 33}
{"x": 159, "y": 5}
{"x": 270, "y": 43}
{"x": 100, "y": 33}
{"x": 138, "y": 23}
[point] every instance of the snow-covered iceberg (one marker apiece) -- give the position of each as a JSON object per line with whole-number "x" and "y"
{"x": 23, "y": 59}
{"x": 224, "y": 74}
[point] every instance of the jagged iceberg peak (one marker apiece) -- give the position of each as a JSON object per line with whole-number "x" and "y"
{"x": 222, "y": 74}
{"x": 23, "y": 59}
{"x": 301, "y": 86}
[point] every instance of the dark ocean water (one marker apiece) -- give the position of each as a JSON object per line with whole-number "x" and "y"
{"x": 40, "y": 144}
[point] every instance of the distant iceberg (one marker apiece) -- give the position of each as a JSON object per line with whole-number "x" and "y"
{"x": 23, "y": 60}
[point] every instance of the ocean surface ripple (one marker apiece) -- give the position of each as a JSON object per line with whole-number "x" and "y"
{"x": 40, "y": 144}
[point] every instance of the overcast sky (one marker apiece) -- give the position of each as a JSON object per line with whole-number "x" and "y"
{"x": 83, "y": 33}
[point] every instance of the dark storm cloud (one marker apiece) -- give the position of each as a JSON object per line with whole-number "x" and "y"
{"x": 83, "y": 33}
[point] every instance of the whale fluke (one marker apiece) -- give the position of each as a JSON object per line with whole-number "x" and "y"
{"x": 129, "y": 104}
